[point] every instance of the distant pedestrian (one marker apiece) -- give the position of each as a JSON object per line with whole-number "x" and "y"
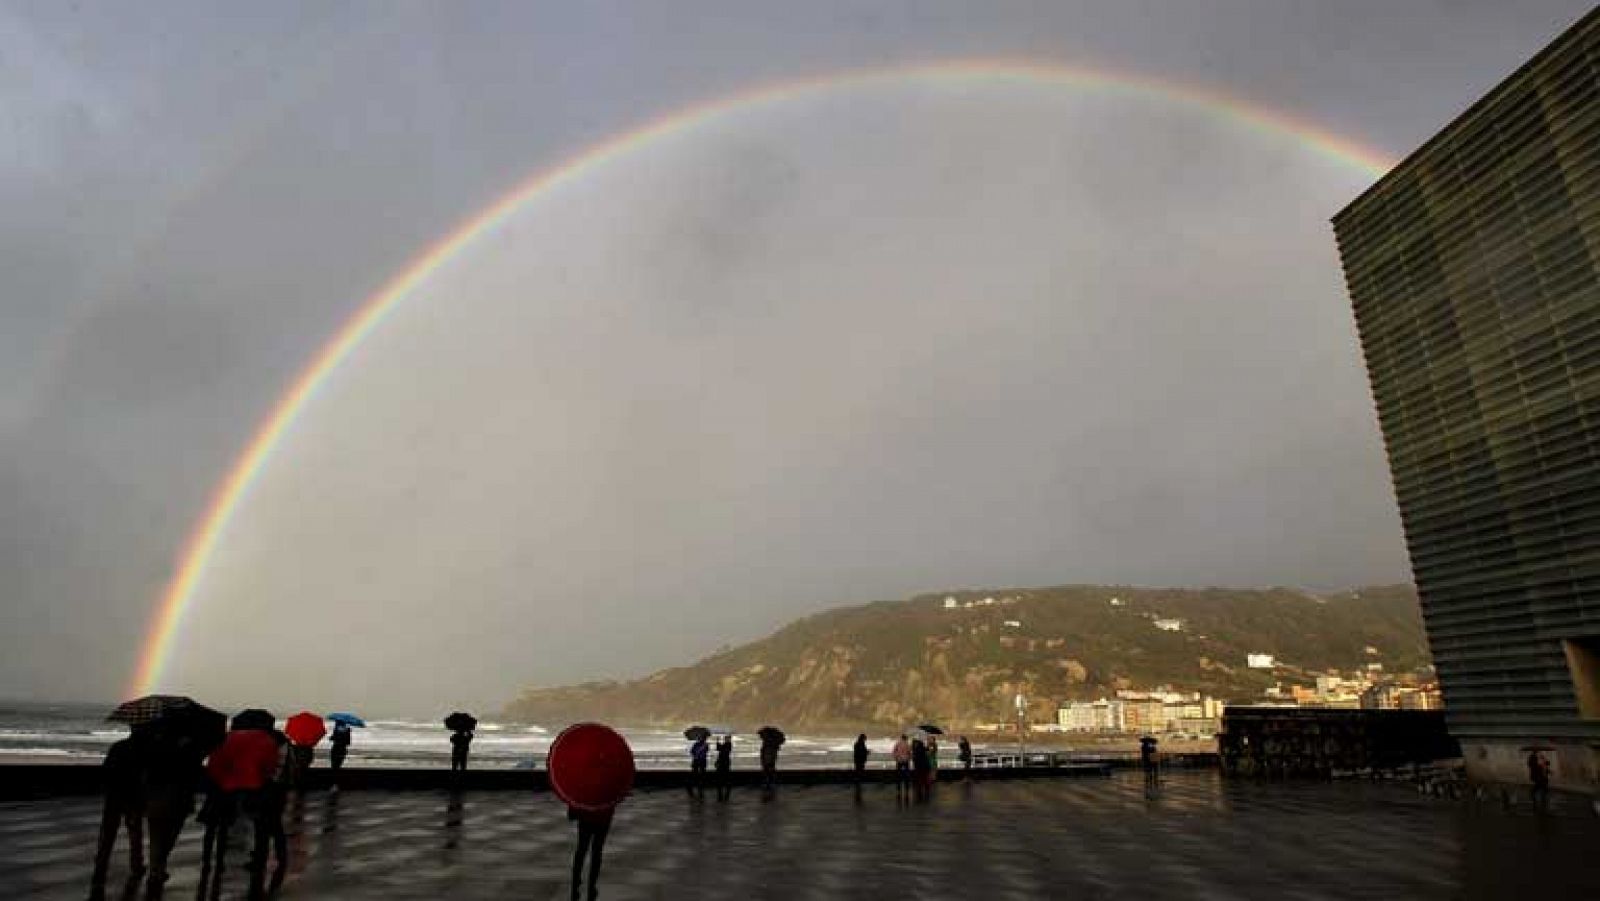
{"x": 724, "y": 765}
{"x": 769, "y": 760}
{"x": 460, "y": 746}
{"x": 698, "y": 752}
{"x": 123, "y": 772}
{"x": 340, "y": 741}
{"x": 964, "y": 754}
{"x": 860, "y": 753}
{"x": 933, "y": 759}
{"x": 920, "y": 768}
{"x": 593, "y": 827}
{"x": 902, "y": 765}
{"x": 1539, "y": 775}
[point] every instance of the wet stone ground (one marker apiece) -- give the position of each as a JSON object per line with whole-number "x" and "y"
{"x": 1196, "y": 836}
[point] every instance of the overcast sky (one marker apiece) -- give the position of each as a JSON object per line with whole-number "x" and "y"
{"x": 865, "y": 342}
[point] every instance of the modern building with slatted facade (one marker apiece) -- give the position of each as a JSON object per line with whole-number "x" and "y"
{"x": 1474, "y": 269}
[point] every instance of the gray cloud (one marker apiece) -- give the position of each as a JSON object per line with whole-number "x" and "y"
{"x": 843, "y": 349}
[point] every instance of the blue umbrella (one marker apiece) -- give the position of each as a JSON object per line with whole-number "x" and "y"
{"x": 349, "y": 719}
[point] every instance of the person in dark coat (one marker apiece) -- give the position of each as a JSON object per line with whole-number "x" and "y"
{"x": 861, "y": 751}
{"x": 593, "y": 827}
{"x": 172, "y": 773}
{"x": 460, "y": 745}
{"x": 340, "y": 741}
{"x": 698, "y": 753}
{"x": 123, "y": 772}
{"x": 921, "y": 768}
{"x": 964, "y": 754}
{"x": 267, "y": 805}
{"x": 724, "y": 765}
{"x": 1539, "y": 775}
{"x": 769, "y": 760}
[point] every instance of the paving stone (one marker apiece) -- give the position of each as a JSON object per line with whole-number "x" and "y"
{"x": 1196, "y": 836}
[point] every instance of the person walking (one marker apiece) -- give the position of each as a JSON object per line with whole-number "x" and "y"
{"x": 1539, "y": 775}
{"x": 238, "y": 773}
{"x": 964, "y": 754}
{"x": 340, "y": 748}
{"x": 301, "y": 758}
{"x": 724, "y": 765}
{"x": 460, "y": 747}
{"x": 123, "y": 772}
{"x": 698, "y": 752}
{"x": 172, "y": 771}
{"x": 860, "y": 752}
{"x": 268, "y": 803}
{"x": 902, "y": 765}
{"x": 919, "y": 768}
{"x": 593, "y": 827}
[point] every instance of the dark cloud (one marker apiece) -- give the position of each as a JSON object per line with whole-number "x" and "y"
{"x": 834, "y": 351}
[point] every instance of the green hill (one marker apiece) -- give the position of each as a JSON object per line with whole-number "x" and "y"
{"x": 894, "y": 662}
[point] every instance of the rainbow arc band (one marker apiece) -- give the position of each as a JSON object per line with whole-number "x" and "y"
{"x": 225, "y": 499}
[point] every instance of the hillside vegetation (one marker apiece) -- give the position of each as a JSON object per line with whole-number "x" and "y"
{"x": 899, "y": 662}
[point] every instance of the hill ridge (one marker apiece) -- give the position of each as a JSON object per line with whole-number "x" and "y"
{"x": 887, "y": 663}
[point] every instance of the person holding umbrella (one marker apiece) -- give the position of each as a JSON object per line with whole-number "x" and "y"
{"x": 340, "y": 741}
{"x": 124, "y": 807}
{"x": 772, "y": 738}
{"x": 919, "y": 767}
{"x": 699, "y": 752}
{"x": 240, "y": 773}
{"x": 461, "y": 726}
{"x": 178, "y": 734}
{"x": 591, "y": 769}
{"x": 304, "y": 729}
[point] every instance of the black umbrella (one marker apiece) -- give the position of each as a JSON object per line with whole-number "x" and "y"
{"x": 697, "y": 733}
{"x": 771, "y": 735}
{"x": 255, "y": 718}
{"x": 149, "y": 708}
{"x": 931, "y": 729}
{"x": 460, "y": 722}
{"x": 174, "y": 720}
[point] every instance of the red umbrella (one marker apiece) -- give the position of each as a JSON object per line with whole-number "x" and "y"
{"x": 591, "y": 767}
{"x": 248, "y": 759}
{"x": 305, "y": 728}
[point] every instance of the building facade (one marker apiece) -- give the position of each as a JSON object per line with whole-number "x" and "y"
{"x": 1474, "y": 271}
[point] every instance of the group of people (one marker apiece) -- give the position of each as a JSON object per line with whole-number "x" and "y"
{"x": 699, "y": 762}
{"x": 916, "y": 762}
{"x": 150, "y": 782}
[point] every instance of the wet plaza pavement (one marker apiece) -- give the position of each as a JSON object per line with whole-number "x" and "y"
{"x": 1197, "y": 836}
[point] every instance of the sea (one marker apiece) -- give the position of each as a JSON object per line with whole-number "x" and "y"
{"x": 79, "y": 734}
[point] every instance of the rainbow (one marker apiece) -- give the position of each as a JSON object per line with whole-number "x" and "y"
{"x": 227, "y": 496}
